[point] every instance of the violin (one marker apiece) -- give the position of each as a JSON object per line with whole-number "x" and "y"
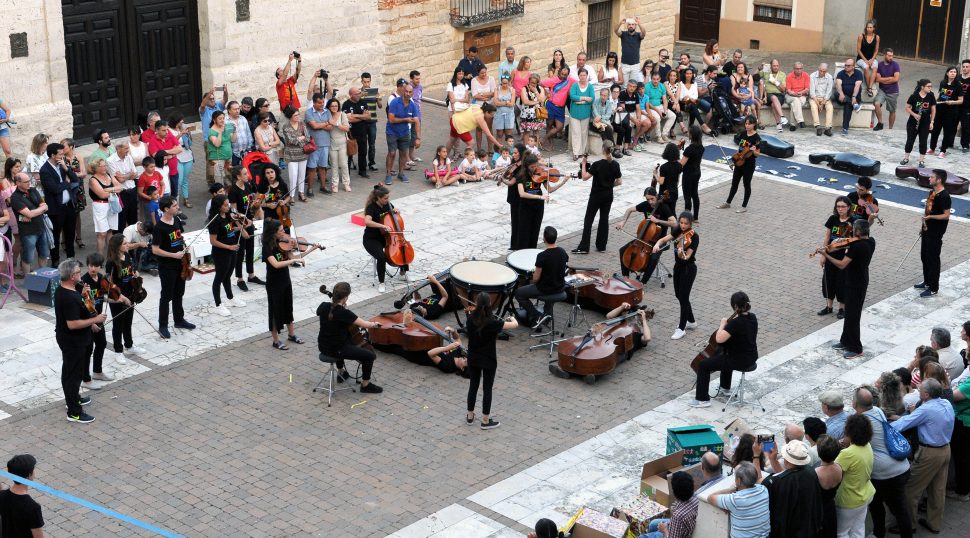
{"x": 868, "y": 202}
{"x": 397, "y": 249}
{"x": 636, "y": 257}
{"x": 239, "y": 219}
{"x": 838, "y": 244}
{"x": 396, "y": 330}
{"x": 684, "y": 242}
{"x": 89, "y": 303}
{"x": 929, "y": 208}
{"x": 598, "y": 353}
{"x": 110, "y": 290}
{"x": 296, "y": 247}
{"x": 257, "y": 203}
{"x": 742, "y": 156}
{"x": 186, "y": 271}
{"x": 711, "y": 349}
{"x": 283, "y": 214}
{"x": 609, "y": 292}
{"x": 138, "y": 293}
{"x": 543, "y": 174}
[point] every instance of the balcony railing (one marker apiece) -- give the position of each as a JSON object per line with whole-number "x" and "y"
{"x": 468, "y": 13}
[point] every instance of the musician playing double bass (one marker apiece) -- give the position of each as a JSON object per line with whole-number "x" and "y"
{"x": 432, "y": 306}
{"x": 737, "y": 337}
{"x": 378, "y": 205}
{"x": 335, "y": 340}
{"x": 655, "y": 212}
{"x": 641, "y": 334}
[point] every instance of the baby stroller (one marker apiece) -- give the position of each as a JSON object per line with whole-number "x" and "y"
{"x": 725, "y": 117}
{"x": 256, "y": 162}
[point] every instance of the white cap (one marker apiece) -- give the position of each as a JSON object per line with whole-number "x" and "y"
{"x": 631, "y": 21}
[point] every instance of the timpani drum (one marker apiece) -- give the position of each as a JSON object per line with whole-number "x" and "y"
{"x": 471, "y": 277}
{"x": 523, "y": 262}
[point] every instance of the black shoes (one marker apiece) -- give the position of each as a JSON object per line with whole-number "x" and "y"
{"x": 182, "y": 324}
{"x": 878, "y": 127}
{"x": 490, "y": 425}
{"x": 371, "y": 388}
{"x": 83, "y": 418}
{"x": 241, "y": 284}
{"x": 578, "y": 250}
{"x": 256, "y": 280}
{"x": 825, "y": 311}
{"x": 841, "y": 314}
{"x": 920, "y": 286}
{"x": 342, "y": 376}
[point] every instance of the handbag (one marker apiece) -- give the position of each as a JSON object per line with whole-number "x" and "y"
{"x": 351, "y": 146}
{"x": 541, "y": 112}
{"x": 309, "y": 146}
{"x": 80, "y": 200}
{"x": 897, "y": 445}
{"x": 114, "y": 204}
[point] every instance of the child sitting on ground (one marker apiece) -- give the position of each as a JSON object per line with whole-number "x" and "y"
{"x": 504, "y": 159}
{"x": 467, "y": 171}
{"x": 442, "y": 172}
{"x": 481, "y": 163}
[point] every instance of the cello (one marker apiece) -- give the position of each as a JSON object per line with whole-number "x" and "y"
{"x": 636, "y": 257}
{"x": 711, "y": 349}
{"x": 598, "y": 353}
{"x": 397, "y": 249}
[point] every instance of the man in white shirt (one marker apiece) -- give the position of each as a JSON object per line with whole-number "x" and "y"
{"x": 122, "y": 167}
{"x": 821, "y": 86}
{"x": 580, "y": 63}
{"x": 950, "y": 358}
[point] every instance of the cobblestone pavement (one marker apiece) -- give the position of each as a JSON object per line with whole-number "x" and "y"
{"x": 225, "y": 438}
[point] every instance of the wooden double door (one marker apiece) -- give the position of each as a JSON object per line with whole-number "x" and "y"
{"x": 700, "y": 20}
{"x": 125, "y": 57}
{"x": 923, "y": 29}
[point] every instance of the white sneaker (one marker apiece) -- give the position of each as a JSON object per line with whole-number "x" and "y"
{"x": 118, "y": 357}
{"x": 90, "y": 385}
{"x": 101, "y": 376}
{"x": 381, "y": 288}
{"x": 784, "y": 121}
{"x": 236, "y": 302}
{"x": 691, "y": 325}
{"x": 780, "y": 127}
{"x": 678, "y": 334}
{"x": 406, "y": 277}
{"x": 699, "y": 403}
{"x": 222, "y": 310}
{"x": 137, "y": 350}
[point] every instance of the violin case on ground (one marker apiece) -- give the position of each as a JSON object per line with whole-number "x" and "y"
{"x": 847, "y": 162}
{"x": 773, "y": 146}
{"x": 954, "y": 184}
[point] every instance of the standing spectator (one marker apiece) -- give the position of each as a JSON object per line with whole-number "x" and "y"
{"x": 797, "y": 85}
{"x": 29, "y": 206}
{"x": 631, "y": 35}
{"x": 934, "y": 422}
{"x": 247, "y": 109}
{"x": 36, "y": 158}
{"x": 20, "y": 515}
{"x": 139, "y": 149}
{"x": 317, "y": 119}
{"x": 507, "y": 65}
{"x": 164, "y": 140}
{"x": 683, "y": 515}
{"x": 773, "y": 91}
{"x": 415, "y": 77}
{"x": 102, "y": 145}
{"x": 950, "y": 358}
{"x": 243, "y": 141}
{"x": 820, "y": 97}
{"x": 286, "y": 84}
{"x": 185, "y": 159}
{"x": 482, "y": 91}
{"x": 209, "y": 106}
{"x": 558, "y": 85}
{"x": 949, "y": 99}
{"x": 867, "y": 48}
{"x": 218, "y": 144}
{"x": 339, "y": 127}
{"x": 557, "y": 63}
{"x": 794, "y": 494}
{"x": 5, "y": 122}
{"x": 829, "y": 478}
{"x": 834, "y": 409}
{"x": 848, "y": 86}
{"x": 60, "y": 184}
{"x": 889, "y": 475}
{"x": 122, "y": 168}
{"x": 795, "y": 433}
{"x": 266, "y": 138}
{"x": 965, "y": 109}
{"x": 358, "y": 116}
{"x": 470, "y": 65}
{"x": 609, "y": 72}
{"x": 887, "y": 75}
{"x": 747, "y": 502}
{"x": 262, "y": 106}
{"x": 581, "y": 64}
{"x": 294, "y": 136}
{"x": 581, "y": 97}
{"x": 402, "y": 116}
{"x": 503, "y": 124}
{"x": 457, "y": 89}
{"x": 372, "y": 100}
{"x": 532, "y": 97}
{"x": 921, "y": 109}
{"x": 76, "y": 163}
{"x": 101, "y": 186}
{"x": 522, "y": 74}
{"x": 856, "y": 491}
{"x": 961, "y": 440}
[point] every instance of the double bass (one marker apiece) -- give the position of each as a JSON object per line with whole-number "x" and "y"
{"x": 609, "y": 292}
{"x": 636, "y": 257}
{"x": 397, "y": 249}
{"x": 396, "y": 329}
{"x": 594, "y": 354}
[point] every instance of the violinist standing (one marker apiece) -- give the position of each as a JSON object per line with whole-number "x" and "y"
{"x": 838, "y": 226}
{"x": 73, "y": 328}
{"x": 667, "y": 176}
{"x": 120, "y": 271}
{"x": 377, "y": 207}
{"x": 855, "y": 265}
{"x": 691, "y": 163}
{"x": 606, "y": 175}
{"x": 483, "y": 331}
{"x": 652, "y": 211}
{"x": 935, "y": 220}
{"x": 738, "y": 337}
{"x": 93, "y": 280}
{"x": 168, "y": 246}
{"x": 532, "y": 200}
{"x": 277, "y": 194}
{"x": 334, "y": 340}
{"x": 509, "y": 179}
{"x": 864, "y": 204}
{"x": 242, "y": 197}
{"x": 279, "y": 289}
{"x": 750, "y": 140}
{"x": 225, "y": 235}
{"x": 685, "y": 241}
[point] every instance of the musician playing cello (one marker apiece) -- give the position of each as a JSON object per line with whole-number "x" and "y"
{"x": 737, "y": 337}
{"x": 378, "y": 205}
{"x": 641, "y": 334}
{"x": 655, "y": 212}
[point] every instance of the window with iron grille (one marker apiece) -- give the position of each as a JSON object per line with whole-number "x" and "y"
{"x": 772, "y": 14}
{"x": 469, "y": 13}
{"x": 599, "y": 29}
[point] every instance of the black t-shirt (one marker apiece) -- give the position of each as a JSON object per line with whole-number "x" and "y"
{"x": 481, "y": 343}
{"x": 837, "y": 228}
{"x": 552, "y": 261}
{"x": 857, "y": 272}
{"x": 432, "y": 306}
{"x": 858, "y": 210}
{"x": 742, "y": 347}
{"x": 531, "y": 187}
{"x": 965, "y": 89}
{"x": 605, "y": 173}
{"x": 694, "y": 154}
{"x": 921, "y": 105}
{"x": 729, "y": 68}
{"x": 18, "y": 515}
{"x": 513, "y": 194}
{"x": 242, "y": 198}
{"x": 629, "y": 101}
{"x": 334, "y": 333}
{"x": 663, "y": 70}
{"x": 670, "y": 171}
{"x": 168, "y": 237}
{"x": 662, "y": 213}
{"x": 941, "y": 205}
{"x": 377, "y": 213}
{"x": 447, "y": 363}
{"x": 691, "y": 245}
{"x": 746, "y": 141}
{"x": 350, "y": 107}
{"x": 949, "y": 92}
{"x": 274, "y": 195}
{"x": 221, "y": 227}
{"x": 20, "y": 201}
{"x": 95, "y": 290}
{"x": 630, "y": 47}
{"x": 276, "y": 274}
{"x": 120, "y": 273}
{"x": 68, "y": 306}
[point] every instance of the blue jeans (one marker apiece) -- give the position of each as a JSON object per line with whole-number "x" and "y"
{"x": 184, "y": 170}
{"x": 30, "y": 244}
{"x": 654, "y": 529}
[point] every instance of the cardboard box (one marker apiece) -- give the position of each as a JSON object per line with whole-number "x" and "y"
{"x": 41, "y": 285}
{"x": 732, "y": 435}
{"x": 694, "y": 441}
{"x": 638, "y": 512}
{"x": 654, "y": 478}
{"x": 593, "y": 524}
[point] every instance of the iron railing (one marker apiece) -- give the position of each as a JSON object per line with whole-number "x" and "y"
{"x": 468, "y": 13}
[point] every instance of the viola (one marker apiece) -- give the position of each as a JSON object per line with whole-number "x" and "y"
{"x": 283, "y": 214}
{"x": 609, "y": 292}
{"x": 684, "y": 242}
{"x": 710, "y": 350}
{"x": 395, "y": 330}
{"x": 929, "y": 207}
{"x": 592, "y": 355}
{"x": 88, "y": 299}
{"x": 257, "y": 203}
{"x": 138, "y": 293}
{"x": 397, "y": 249}
{"x": 838, "y": 244}
{"x": 636, "y": 257}
{"x": 868, "y": 202}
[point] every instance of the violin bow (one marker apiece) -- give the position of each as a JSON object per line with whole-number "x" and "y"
{"x": 918, "y": 237}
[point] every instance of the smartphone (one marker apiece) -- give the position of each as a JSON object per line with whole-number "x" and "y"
{"x": 767, "y": 442}
{"x": 220, "y": 88}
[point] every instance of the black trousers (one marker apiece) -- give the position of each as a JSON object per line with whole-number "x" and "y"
{"x": 913, "y": 132}
{"x": 367, "y": 146}
{"x": 606, "y": 132}
{"x": 223, "y": 260}
{"x": 684, "y": 275}
{"x": 100, "y": 342}
{"x": 485, "y": 376}
{"x": 129, "y": 208}
{"x": 846, "y": 110}
{"x": 716, "y": 363}
{"x": 64, "y": 225}
{"x": 833, "y": 287}
{"x": 648, "y": 270}
{"x": 851, "y": 338}
{"x": 891, "y": 493}
{"x": 245, "y": 253}
{"x": 960, "y": 452}
{"x": 623, "y": 132}
{"x": 929, "y": 254}
{"x": 375, "y": 247}
{"x": 514, "y": 214}
{"x": 530, "y": 223}
{"x": 601, "y": 205}
{"x": 947, "y": 118}
{"x": 121, "y": 326}
{"x": 173, "y": 288}
{"x": 965, "y": 127}
{"x": 73, "y": 366}
{"x": 365, "y": 357}
{"x": 742, "y": 174}
{"x": 692, "y": 198}
{"x": 693, "y": 114}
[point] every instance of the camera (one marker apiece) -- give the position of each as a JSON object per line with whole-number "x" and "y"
{"x": 296, "y": 55}
{"x": 324, "y": 74}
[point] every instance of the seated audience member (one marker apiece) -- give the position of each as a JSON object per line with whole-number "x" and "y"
{"x": 683, "y": 513}
{"x": 747, "y": 502}
{"x": 794, "y": 494}
{"x": 545, "y": 528}
{"x": 829, "y": 477}
{"x": 855, "y": 492}
{"x": 949, "y": 357}
{"x": 467, "y": 171}
{"x": 710, "y": 469}
{"x": 833, "y": 407}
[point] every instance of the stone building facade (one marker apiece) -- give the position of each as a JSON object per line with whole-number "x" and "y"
{"x": 180, "y": 47}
